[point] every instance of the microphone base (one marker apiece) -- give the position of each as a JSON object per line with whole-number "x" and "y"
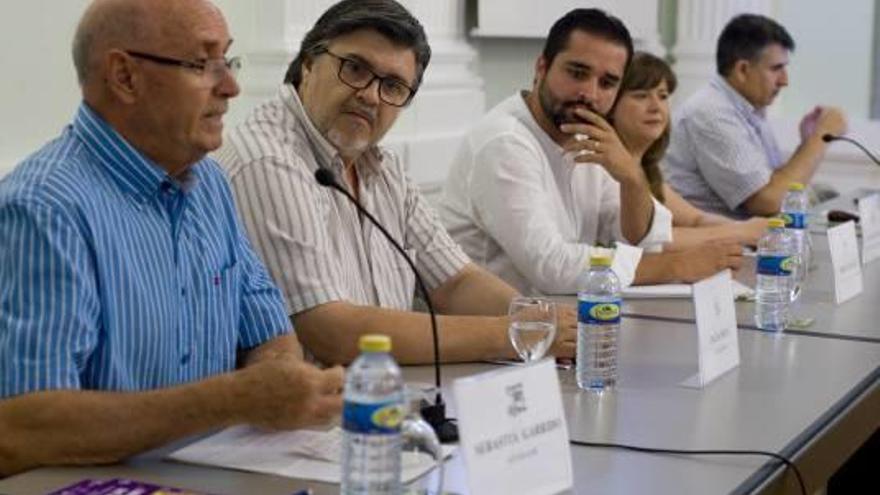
{"x": 435, "y": 415}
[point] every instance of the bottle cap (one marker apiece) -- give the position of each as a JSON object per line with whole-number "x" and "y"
{"x": 600, "y": 260}
{"x": 795, "y": 186}
{"x": 374, "y": 343}
{"x": 775, "y": 223}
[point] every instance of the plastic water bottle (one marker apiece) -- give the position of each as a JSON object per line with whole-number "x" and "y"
{"x": 598, "y": 325}
{"x": 776, "y": 263}
{"x": 794, "y": 212}
{"x": 372, "y": 415}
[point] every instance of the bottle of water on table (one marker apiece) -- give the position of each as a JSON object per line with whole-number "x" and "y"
{"x": 598, "y": 326}
{"x": 777, "y": 263}
{"x": 795, "y": 207}
{"x": 372, "y": 415}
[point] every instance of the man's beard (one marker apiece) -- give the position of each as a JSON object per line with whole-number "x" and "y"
{"x": 347, "y": 145}
{"x": 561, "y": 112}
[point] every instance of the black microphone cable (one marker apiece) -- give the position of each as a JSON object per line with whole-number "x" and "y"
{"x": 435, "y": 415}
{"x": 828, "y": 138}
{"x": 650, "y": 450}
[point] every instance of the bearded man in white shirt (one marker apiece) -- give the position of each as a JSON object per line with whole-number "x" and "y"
{"x": 543, "y": 177}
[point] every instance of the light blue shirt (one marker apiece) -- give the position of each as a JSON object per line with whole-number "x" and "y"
{"x": 114, "y": 276}
{"x": 722, "y": 150}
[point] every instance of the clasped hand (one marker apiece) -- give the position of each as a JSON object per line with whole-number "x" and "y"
{"x": 595, "y": 141}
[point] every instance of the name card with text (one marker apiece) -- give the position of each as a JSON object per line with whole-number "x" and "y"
{"x": 845, "y": 261}
{"x": 514, "y": 437}
{"x": 717, "y": 342}
{"x": 869, "y": 219}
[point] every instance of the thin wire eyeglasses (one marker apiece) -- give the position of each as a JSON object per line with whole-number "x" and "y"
{"x": 215, "y": 67}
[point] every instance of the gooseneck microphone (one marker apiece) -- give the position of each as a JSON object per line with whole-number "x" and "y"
{"x": 830, "y": 138}
{"x": 434, "y": 414}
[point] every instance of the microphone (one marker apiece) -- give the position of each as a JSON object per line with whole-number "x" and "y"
{"x": 828, "y": 138}
{"x": 434, "y": 414}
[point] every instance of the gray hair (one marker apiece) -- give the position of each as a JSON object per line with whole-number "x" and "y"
{"x": 388, "y": 17}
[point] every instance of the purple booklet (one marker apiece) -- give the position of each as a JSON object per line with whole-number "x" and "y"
{"x": 120, "y": 487}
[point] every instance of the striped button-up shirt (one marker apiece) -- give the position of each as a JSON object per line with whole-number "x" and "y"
{"x": 114, "y": 276}
{"x": 722, "y": 151}
{"x": 312, "y": 239}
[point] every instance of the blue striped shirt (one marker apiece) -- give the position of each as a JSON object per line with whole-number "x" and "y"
{"x": 114, "y": 276}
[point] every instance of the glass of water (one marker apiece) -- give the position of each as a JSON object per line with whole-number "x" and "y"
{"x": 532, "y": 326}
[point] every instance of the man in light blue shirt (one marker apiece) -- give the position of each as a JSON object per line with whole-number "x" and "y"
{"x": 723, "y": 156}
{"x": 128, "y": 291}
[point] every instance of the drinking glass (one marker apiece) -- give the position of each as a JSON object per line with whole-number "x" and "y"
{"x": 532, "y": 326}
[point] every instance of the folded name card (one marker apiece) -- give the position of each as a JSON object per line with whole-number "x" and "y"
{"x": 514, "y": 438}
{"x": 718, "y": 344}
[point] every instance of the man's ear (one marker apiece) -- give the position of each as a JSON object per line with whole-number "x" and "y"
{"x": 122, "y": 77}
{"x": 541, "y": 68}
{"x": 740, "y": 70}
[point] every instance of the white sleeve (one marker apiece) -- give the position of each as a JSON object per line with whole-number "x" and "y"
{"x": 659, "y": 233}
{"x": 661, "y": 228}
{"x": 512, "y": 206}
{"x": 626, "y": 260}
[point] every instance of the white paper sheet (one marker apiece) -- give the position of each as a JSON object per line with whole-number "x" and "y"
{"x": 679, "y": 291}
{"x": 301, "y": 454}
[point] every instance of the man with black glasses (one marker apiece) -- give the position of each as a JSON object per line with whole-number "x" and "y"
{"x": 356, "y": 70}
{"x": 133, "y": 311}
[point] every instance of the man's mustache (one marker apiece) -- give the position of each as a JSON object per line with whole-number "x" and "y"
{"x": 365, "y": 112}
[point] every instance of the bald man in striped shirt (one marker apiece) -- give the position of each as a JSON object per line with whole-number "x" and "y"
{"x": 128, "y": 291}
{"x": 357, "y": 68}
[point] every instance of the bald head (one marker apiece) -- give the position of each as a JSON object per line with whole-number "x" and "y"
{"x": 106, "y": 24}
{"x": 132, "y": 24}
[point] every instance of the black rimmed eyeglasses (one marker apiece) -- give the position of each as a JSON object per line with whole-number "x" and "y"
{"x": 357, "y": 75}
{"x": 214, "y": 67}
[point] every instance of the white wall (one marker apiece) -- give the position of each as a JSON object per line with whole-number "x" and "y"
{"x": 832, "y": 62}
{"x": 506, "y": 65}
{"x": 831, "y": 65}
{"x": 38, "y": 90}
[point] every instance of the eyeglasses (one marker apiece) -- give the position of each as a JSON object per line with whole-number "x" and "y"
{"x": 216, "y": 68}
{"x": 357, "y": 75}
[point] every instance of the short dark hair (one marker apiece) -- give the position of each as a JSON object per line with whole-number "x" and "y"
{"x": 745, "y": 36}
{"x": 388, "y": 17}
{"x": 592, "y": 21}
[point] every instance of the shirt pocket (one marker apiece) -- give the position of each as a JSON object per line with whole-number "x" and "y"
{"x": 220, "y": 300}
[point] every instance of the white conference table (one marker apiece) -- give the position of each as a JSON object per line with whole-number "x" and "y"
{"x": 784, "y": 397}
{"x": 857, "y": 319}
{"x": 812, "y": 395}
